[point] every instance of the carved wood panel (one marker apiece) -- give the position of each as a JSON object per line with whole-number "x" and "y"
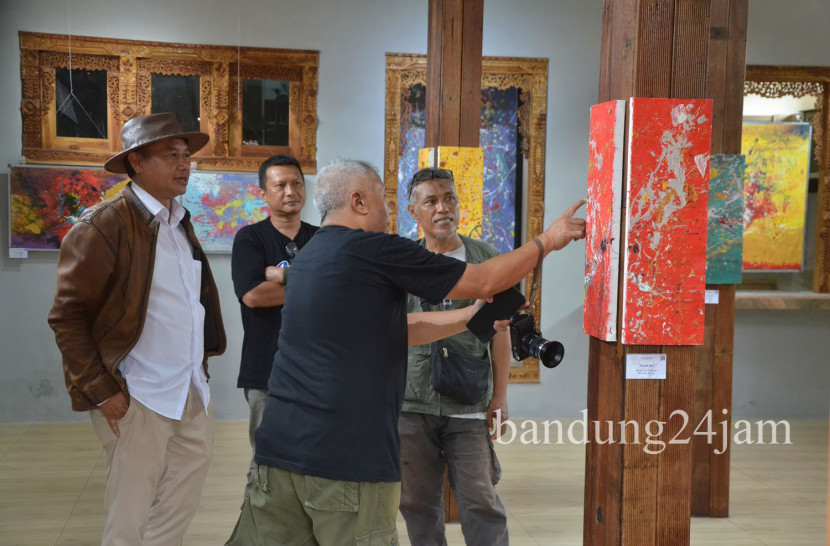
{"x": 129, "y": 65}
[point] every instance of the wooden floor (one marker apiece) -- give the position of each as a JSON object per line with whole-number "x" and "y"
{"x": 52, "y": 480}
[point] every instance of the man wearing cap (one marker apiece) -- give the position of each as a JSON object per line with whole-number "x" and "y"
{"x": 136, "y": 315}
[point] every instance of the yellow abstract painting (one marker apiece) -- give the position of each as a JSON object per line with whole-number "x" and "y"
{"x": 467, "y": 166}
{"x": 777, "y": 164}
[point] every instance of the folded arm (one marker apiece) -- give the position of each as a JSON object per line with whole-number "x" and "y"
{"x": 268, "y": 293}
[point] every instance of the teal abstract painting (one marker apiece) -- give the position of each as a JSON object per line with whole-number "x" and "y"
{"x": 725, "y": 235}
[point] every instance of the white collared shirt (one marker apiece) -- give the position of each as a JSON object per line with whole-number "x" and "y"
{"x": 168, "y": 355}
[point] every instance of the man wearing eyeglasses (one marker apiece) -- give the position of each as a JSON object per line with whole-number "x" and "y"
{"x": 437, "y": 432}
{"x": 327, "y": 451}
{"x": 262, "y": 255}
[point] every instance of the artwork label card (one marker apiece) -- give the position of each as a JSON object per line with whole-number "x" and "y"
{"x": 645, "y": 366}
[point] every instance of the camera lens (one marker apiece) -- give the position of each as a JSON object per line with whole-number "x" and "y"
{"x": 549, "y": 353}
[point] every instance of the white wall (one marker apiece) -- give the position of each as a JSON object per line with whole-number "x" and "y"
{"x": 352, "y": 36}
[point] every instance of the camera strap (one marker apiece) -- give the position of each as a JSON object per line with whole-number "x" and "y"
{"x": 537, "y": 272}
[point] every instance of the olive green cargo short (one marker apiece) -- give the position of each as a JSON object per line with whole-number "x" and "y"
{"x": 289, "y": 509}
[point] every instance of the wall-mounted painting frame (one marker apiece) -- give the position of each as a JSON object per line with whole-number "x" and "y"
{"x": 129, "y": 66}
{"x": 530, "y": 76}
{"x": 220, "y": 204}
{"x": 45, "y": 202}
{"x": 801, "y": 81}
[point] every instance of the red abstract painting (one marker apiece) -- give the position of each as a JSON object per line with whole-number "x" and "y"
{"x": 45, "y": 202}
{"x": 602, "y": 241}
{"x": 664, "y": 267}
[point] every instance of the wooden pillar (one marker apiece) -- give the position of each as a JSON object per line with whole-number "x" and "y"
{"x": 650, "y": 48}
{"x": 726, "y": 67}
{"x": 453, "y": 95}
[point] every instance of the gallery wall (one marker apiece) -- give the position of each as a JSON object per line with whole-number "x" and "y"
{"x": 780, "y": 357}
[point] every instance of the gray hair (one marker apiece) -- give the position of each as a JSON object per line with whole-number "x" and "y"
{"x": 335, "y": 183}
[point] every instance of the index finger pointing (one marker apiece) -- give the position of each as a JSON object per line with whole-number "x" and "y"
{"x": 575, "y": 207}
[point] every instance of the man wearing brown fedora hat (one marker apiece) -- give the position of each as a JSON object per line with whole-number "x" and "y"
{"x": 136, "y": 315}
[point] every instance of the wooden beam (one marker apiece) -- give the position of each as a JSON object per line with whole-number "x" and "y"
{"x": 453, "y": 96}
{"x": 713, "y": 362}
{"x": 453, "y": 101}
{"x": 649, "y": 49}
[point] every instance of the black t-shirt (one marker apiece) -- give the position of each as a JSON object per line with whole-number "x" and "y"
{"x": 254, "y": 248}
{"x": 337, "y": 383}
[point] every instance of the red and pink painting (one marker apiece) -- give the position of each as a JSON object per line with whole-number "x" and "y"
{"x": 664, "y": 263}
{"x": 602, "y": 241}
{"x": 45, "y": 202}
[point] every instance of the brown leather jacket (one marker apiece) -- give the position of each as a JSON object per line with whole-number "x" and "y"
{"x": 104, "y": 274}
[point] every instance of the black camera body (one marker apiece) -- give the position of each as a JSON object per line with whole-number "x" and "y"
{"x": 526, "y": 340}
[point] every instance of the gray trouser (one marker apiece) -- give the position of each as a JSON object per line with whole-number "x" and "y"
{"x": 256, "y": 402}
{"x": 429, "y": 444}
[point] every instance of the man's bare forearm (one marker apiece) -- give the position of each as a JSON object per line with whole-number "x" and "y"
{"x": 431, "y": 326}
{"x": 501, "y": 356}
{"x": 265, "y": 294}
{"x": 501, "y": 272}
{"x": 496, "y": 274}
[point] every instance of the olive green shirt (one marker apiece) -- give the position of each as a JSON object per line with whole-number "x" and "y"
{"x": 419, "y": 396}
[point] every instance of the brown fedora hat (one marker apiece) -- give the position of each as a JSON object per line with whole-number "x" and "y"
{"x": 145, "y": 130}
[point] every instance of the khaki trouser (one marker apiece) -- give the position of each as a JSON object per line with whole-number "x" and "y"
{"x": 289, "y": 509}
{"x": 155, "y": 472}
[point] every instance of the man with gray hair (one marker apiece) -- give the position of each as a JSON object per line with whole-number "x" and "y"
{"x": 328, "y": 449}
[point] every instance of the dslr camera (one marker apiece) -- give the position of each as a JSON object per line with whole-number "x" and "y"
{"x": 526, "y": 340}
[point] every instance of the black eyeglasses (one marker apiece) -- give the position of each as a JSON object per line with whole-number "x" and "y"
{"x": 291, "y": 249}
{"x": 428, "y": 174}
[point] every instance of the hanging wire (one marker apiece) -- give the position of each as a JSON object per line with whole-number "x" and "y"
{"x": 238, "y": 64}
{"x": 67, "y": 107}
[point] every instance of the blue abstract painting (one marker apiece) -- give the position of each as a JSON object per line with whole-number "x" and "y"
{"x": 220, "y": 204}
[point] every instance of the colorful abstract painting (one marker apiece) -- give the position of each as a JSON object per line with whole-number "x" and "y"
{"x": 46, "y": 202}
{"x": 602, "y": 241}
{"x": 498, "y": 138}
{"x": 724, "y": 241}
{"x": 220, "y": 204}
{"x": 466, "y": 165}
{"x": 777, "y": 161}
{"x": 667, "y": 192}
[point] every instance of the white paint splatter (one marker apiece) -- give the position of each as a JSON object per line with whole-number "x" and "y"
{"x": 679, "y": 114}
{"x": 701, "y": 160}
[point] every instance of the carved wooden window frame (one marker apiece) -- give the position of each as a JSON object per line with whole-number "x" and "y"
{"x": 530, "y": 76}
{"x": 129, "y": 65}
{"x": 800, "y": 81}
